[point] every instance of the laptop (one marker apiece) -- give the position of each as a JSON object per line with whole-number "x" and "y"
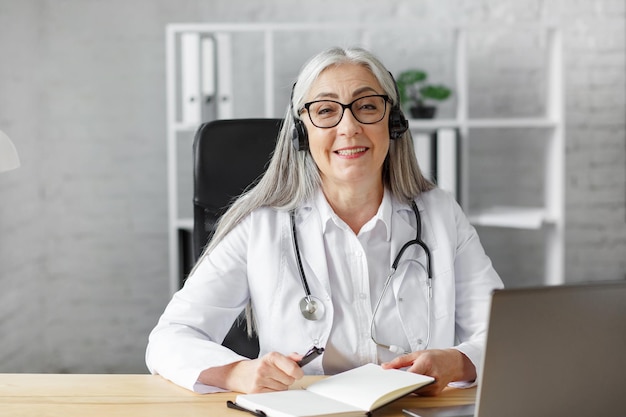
{"x": 551, "y": 351}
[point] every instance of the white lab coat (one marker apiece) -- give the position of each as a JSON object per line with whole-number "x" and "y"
{"x": 256, "y": 261}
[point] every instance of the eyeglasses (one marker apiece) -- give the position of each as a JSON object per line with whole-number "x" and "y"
{"x": 328, "y": 113}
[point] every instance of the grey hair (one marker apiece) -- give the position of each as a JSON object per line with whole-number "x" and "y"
{"x": 292, "y": 177}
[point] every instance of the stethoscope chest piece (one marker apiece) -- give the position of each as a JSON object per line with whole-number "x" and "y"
{"x": 312, "y": 308}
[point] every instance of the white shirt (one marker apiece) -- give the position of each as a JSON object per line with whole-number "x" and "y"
{"x": 256, "y": 262}
{"x": 358, "y": 267}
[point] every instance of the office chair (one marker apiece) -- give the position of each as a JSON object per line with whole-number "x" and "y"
{"x": 229, "y": 155}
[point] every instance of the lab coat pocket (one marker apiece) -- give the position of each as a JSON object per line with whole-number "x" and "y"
{"x": 443, "y": 295}
{"x": 412, "y": 295}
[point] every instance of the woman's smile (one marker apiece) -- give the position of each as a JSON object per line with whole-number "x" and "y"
{"x": 351, "y": 152}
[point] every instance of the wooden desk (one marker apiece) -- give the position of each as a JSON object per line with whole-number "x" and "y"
{"x": 52, "y": 395}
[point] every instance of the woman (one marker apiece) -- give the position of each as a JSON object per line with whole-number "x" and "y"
{"x": 309, "y": 249}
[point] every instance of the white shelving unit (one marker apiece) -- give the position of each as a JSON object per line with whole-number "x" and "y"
{"x": 207, "y": 49}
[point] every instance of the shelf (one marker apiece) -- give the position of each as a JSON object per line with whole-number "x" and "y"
{"x": 513, "y": 217}
{"x": 538, "y": 122}
{"x": 432, "y": 124}
{"x": 185, "y": 127}
{"x": 185, "y": 224}
{"x": 219, "y": 69}
{"x": 512, "y": 123}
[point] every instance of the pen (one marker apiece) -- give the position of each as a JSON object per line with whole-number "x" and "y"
{"x": 236, "y": 406}
{"x": 313, "y": 353}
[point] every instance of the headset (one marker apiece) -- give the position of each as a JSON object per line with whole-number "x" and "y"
{"x": 398, "y": 124}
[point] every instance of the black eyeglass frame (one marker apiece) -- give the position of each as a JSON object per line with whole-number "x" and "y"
{"x": 306, "y": 107}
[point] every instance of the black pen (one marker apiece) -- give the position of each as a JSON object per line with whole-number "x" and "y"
{"x": 235, "y": 406}
{"x": 313, "y": 353}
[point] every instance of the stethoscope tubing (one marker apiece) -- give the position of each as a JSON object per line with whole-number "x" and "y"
{"x": 296, "y": 248}
{"x": 309, "y": 299}
{"x": 394, "y": 266}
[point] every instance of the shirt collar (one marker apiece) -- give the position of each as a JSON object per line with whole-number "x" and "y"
{"x": 327, "y": 214}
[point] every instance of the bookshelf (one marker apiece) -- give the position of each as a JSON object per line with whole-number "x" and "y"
{"x": 201, "y": 87}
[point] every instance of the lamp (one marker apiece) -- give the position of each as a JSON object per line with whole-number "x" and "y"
{"x": 8, "y": 154}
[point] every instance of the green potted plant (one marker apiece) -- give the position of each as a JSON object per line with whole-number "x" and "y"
{"x": 416, "y": 94}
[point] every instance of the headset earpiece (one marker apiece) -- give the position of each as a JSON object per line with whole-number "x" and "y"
{"x": 299, "y": 136}
{"x": 398, "y": 124}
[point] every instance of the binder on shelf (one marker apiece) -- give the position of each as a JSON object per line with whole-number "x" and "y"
{"x": 198, "y": 79}
{"x": 191, "y": 106}
{"x": 447, "y": 161}
{"x": 424, "y": 147}
{"x": 224, "y": 59}
{"x": 437, "y": 154}
{"x": 208, "y": 78}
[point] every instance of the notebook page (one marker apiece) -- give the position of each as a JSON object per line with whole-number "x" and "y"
{"x": 364, "y": 386}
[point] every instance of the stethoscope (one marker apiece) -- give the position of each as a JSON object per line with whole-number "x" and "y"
{"x": 312, "y": 308}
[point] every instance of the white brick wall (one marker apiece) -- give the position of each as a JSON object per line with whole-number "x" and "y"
{"x": 83, "y": 222}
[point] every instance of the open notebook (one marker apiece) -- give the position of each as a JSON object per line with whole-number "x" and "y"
{"x": 552, "y": 351}
{"x": 355, "y": 392}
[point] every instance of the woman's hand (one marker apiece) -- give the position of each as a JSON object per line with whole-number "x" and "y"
{"x": 445, "y": 365}
{"x": 271, "y": 372}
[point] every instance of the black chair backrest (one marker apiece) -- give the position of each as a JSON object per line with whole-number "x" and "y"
{"x": 229, "y": 155}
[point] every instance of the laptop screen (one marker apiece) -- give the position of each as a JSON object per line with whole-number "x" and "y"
{"x": 556, "y": 351}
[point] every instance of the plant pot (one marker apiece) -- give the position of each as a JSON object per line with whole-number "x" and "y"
{"x": 423, "y": 112}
